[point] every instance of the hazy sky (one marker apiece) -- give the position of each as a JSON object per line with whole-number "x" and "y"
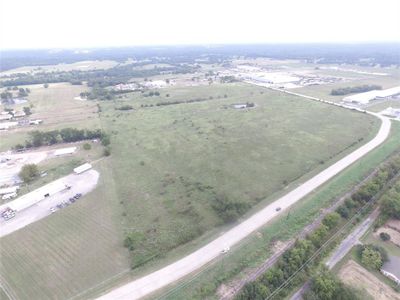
{"x": 90, "y": 23}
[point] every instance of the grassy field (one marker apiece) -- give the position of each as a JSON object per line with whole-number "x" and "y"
{"x": 167, "y": 165}
{"x": 57, "y": 108}
{"x": 257, "y": 248}
{"x": 172, "y": 162}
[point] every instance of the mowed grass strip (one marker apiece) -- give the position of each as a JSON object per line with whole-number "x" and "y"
{"x": 70, "y": 251}
{"x": 172, "y": 162}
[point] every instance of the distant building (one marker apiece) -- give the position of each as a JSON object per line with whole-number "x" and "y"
{"x": 7, "y": 125}
{"x": 64, "y": 151}
{"x": 365, "y": 98}
{"x": 5, "y": 117}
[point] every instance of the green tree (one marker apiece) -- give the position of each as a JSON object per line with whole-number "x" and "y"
{"x": 27, "y": 110}
{"x": 331, "y": 220}
{"x": 391, "y": 204}
{"x": 371, "y": 258}
{"x": 29, "y": 172}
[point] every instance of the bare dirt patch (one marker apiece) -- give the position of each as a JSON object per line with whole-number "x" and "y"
{"x": 354, "y": 275}
{"x": 394, "y": 224}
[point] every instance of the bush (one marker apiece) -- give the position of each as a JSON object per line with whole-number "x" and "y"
{"x": 107, "y": 151}
{"x": 28, "y": 173}
{"x": 384, "y": 236}
{"x": 87, "y": 146}
{"x": 331, "y": 220}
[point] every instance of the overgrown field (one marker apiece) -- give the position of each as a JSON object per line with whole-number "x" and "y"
{"x": 174, "y": 172}
{"x": 183, "y": 169}
{"x": 253, "y": 251}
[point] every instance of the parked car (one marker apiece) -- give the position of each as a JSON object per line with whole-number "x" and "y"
{"x": 278, "y": 209}
{"x": 53, "y": 209}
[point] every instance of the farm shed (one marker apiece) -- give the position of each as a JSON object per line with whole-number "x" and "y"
{"x": 82, "y": 168}
{"x": 64, "y": 151}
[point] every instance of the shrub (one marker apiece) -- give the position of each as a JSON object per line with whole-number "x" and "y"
{"x": 107, "y": 151}
{"x": 384, "y": 236}
{"x": 87, "y": 146}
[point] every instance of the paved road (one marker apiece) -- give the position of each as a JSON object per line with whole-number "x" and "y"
{"x": 351, "y": 240}
{"x": 82, "y": 183}
{"x": 177, "y": 270}
{"x": 345, "y": 246}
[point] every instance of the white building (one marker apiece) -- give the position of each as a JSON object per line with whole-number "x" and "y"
{"x": 9, "y": 190}
{"x": 82, "y": 168}
{"x": 64, "y": 151}
{"x": 37, "y": 195}
{"x": 365, "y": 98}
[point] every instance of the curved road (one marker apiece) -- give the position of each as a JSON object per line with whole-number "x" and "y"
{"x": 192, "y": 262}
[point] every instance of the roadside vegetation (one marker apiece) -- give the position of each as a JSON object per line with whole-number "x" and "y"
{"x": 249, "y": 255}
{"x": 282, "y": 274}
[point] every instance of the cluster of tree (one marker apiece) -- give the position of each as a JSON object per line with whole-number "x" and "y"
{"x": 100, "y": 78}
{"x": 67, "y": 135}
{"x": 151, "y": 94}
{"x": 27, "y": 110}
{"x": 326, "y": 286}
{"x": 355, "y": 89}
{"x": 290, "y": 262}
{"x": 371, "y": 256}
{"x": 124, "y": 107}
{"x": 6, "y": 95}
{"x": 29, "y": 173}
{"x": 371, "y": 189}
{"x": 227, "y": 209}
{"x": 98, "y": 93}
{"x": 227, "y": 79}
{"x": 390, "y": 205}
{"x": 23, "y": 92}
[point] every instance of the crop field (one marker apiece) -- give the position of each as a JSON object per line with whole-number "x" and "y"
{"x": 57, "y": 108}
{"x": 175, "y": 164}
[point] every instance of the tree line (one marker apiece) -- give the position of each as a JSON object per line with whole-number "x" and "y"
{"x": 355, "y": 89}
{"x": 295, "y": 257}
{"x": 38, "y": 138}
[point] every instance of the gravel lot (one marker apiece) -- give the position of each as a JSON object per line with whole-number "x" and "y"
{"x": 83, "y": 183}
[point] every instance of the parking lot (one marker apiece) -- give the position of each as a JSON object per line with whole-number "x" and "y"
{"x": 80, "y": 184}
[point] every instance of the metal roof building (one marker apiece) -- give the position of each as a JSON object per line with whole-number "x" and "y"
{"x": 365, "y": 98}
{"x": 82, "y": 168}
{"x": 35, "y": 196}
